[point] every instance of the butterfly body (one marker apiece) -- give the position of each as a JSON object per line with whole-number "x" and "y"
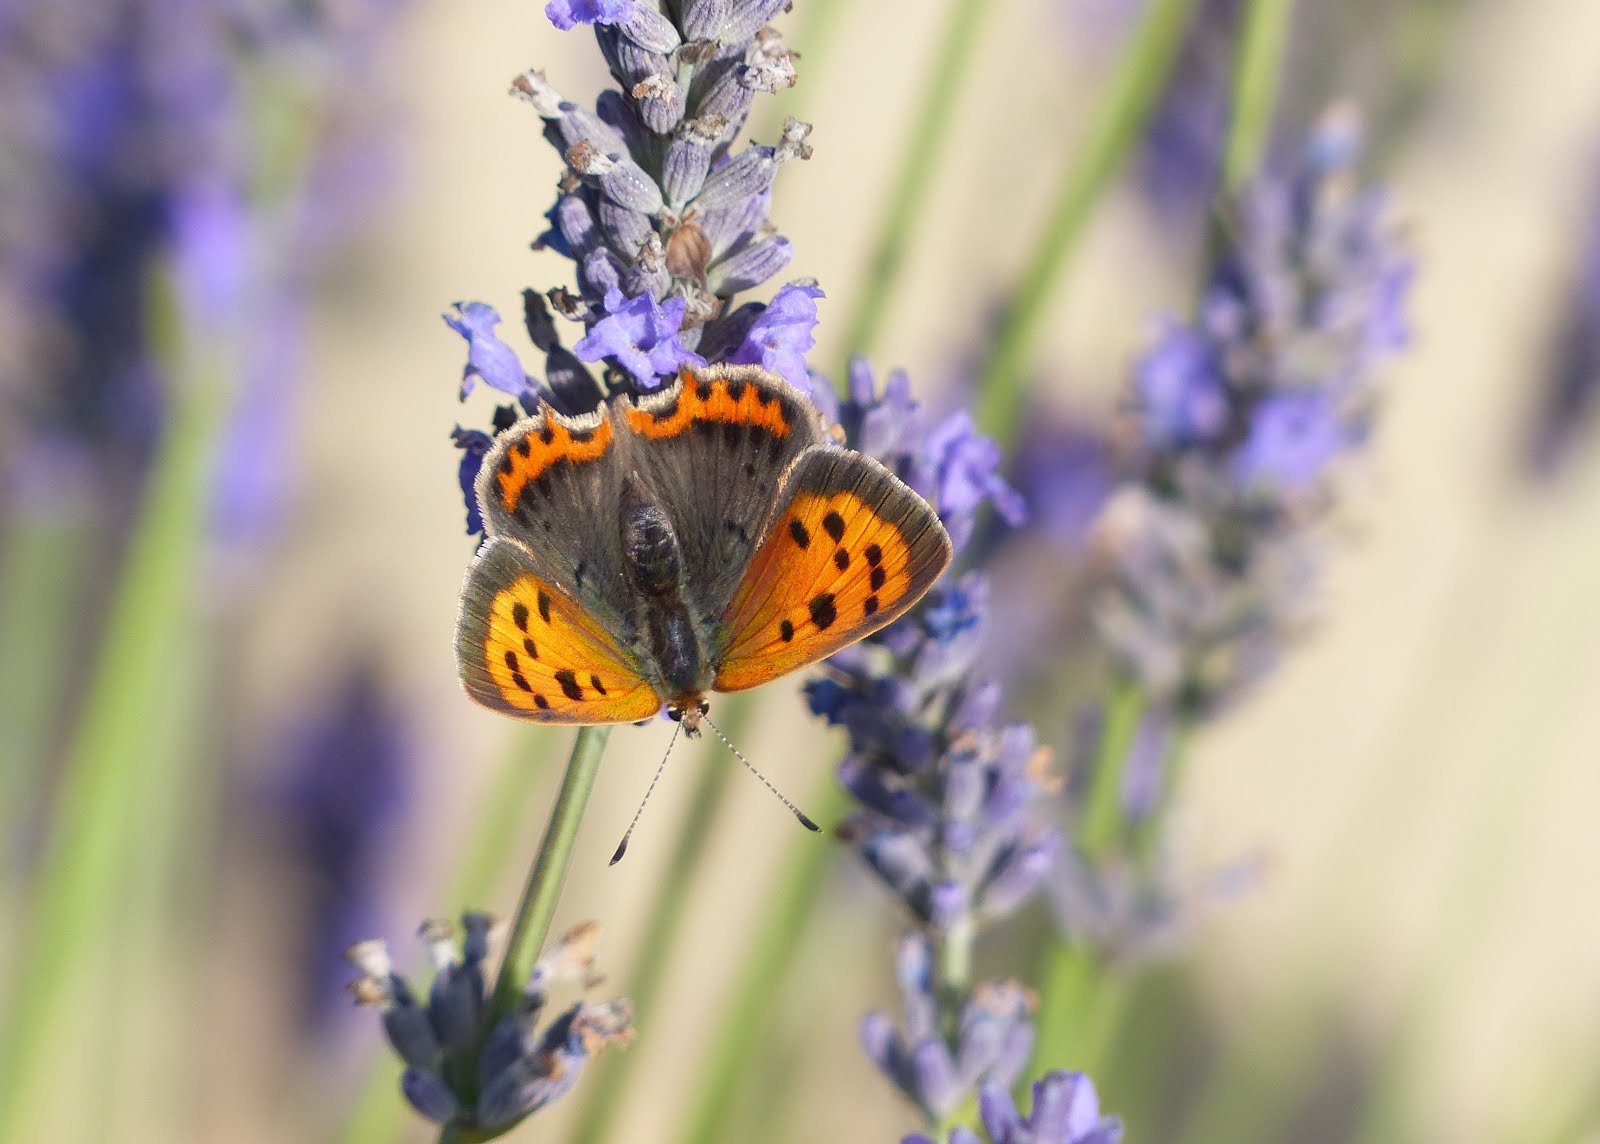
{"x": 704, "y": 537}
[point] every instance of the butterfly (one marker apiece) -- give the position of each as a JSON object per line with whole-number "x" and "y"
{"x": 706, "y": 536}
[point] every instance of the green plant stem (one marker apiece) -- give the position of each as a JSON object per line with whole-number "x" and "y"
{"x": 750, "y": 1008}
{"x": 376, "y": 1116}
{"x": 76, "y": 888}
{"x": 549, "y": 872}
{"x": 1076, "y": 988}
{"x": 1102, "y": 822}
{"x": 540, "y": 894}
{"x": 1140, "y": 78}
{"x": 914, "y": 179}
{"x": 1255, "y": 86}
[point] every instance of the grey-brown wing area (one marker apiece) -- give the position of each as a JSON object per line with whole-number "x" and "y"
{"x": 719, "y": 470}
{"x": 554, "y": 484}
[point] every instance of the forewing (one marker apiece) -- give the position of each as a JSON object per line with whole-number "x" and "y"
{"x": 553, "y": 484}
{"x": 713, "y": 447}
{"x": 851, "y": 549}
{"x": 526, "y": 648}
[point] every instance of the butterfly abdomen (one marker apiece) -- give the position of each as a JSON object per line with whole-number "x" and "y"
{"x": 654, "y": 561}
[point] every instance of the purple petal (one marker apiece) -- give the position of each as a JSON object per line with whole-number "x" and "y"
{"x": 568, "y": 14}
{"x": 780, "y": 337}
{"x": 488, "y": 358}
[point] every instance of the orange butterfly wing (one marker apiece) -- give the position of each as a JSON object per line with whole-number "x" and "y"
{"x": 527, "y": 649}
{"x": 851, "y": 550}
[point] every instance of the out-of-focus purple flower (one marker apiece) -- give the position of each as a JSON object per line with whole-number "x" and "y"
{"x": 1180, "y": 394}
{"x": 993, "y": 1036}
{"x": 1564, "y": 410}
{"x": 1293, "y": 438}
{"x": 347, "y": 781}
{"x": 473, "y": 445}
{"x": 488, "y": 358}
{"x": 781, "y": 335}
{"x": 485, "y": 1079}
{"x": 962, "y": 467}
{"x": 1066, "y": 1110}
{"x": 1210, "y": 554}
{"x": 641, "y": 335}
{"x": 568, "y": 14}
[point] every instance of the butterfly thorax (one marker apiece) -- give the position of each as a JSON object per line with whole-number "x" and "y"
{"x": 653, "y": 559}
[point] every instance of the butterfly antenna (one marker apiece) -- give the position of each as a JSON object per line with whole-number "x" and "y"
{"x": 622, "y": 847}
{"x": 805, "y": 821}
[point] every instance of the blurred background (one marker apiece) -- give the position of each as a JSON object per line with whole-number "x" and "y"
{"x": 295, "y": 767}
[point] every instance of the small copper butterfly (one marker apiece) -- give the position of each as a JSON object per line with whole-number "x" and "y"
{"x": 707, "y": 536}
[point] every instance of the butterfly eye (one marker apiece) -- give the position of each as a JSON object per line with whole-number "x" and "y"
{"x": 704, "y": 707}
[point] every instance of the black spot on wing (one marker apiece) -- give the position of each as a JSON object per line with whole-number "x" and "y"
{"x": 877, "y": 578}
{"x": 544, "y": 605}
{"x": 841, "y": 560}
{"x": 786, "y": 630}
{"x": 870, "y": 606}
{"x": 519, "y": 615}
{"x": 874, "y": 555}
{"x": 823, "y": 612}
{"x": 569, "y": 685}
{"x": 541, "y": 702}
{"x": 594, "y": 680}
{"x": 799, "y": 533}
{"x": 833, "y": 525}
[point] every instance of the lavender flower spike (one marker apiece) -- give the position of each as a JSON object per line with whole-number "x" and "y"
{"x": 485, "y": 1080}
{"x": 1247, "y": 412}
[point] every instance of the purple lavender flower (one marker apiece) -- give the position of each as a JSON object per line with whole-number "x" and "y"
{"x": 949, "y": 814}
{"x": 1246, "y": 414}
{"x": 664, "y": 221}
{"x": 488, "y": 358}
{"x": 568, "y": 14}
{"x": 485, "y": 1079}
{"x": 781, "y": 335}
{"x": 1066, "y": 1110}
{"x": 346, "y": 782}
{"x": 641, "y": 335}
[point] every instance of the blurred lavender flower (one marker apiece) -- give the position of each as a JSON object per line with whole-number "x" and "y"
{"x": 948, "y": 797}
{"x": 1246, "y": 413}
{"x": 460, "y": 1073}
{"x": 346, "y": 783}
{"x": 1566, "y": 406}
{"x": 664, "y": 221}
{"x": 1066, "y": 1110}
{"x": 131, "y": 144}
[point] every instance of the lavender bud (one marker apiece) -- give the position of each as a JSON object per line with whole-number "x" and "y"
{"x": 625, "y": 183}
{"x": 741, "y": 179}
{"x": 532, "y": 87}
{"x": 411, "y": 1034}
{"x": 625, "y": 230}
{"x": 652, "y": 31}
{"x": 724, "y": 95}
{"x": 750, "y": 267}
{"x": 428, "y": 1094}
{"x": 748, "y": 18}
{"x": 704, "y": 19}
{"x": 660, "y": 101}
{"x": 770, "y": 66}
{"x": 599, "y": 272}
{"x": 630, "y": 61}
{"x": 684, "y": 168}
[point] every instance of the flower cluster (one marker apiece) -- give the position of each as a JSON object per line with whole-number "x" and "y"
{"x": 947, "y": 795}
{"x": 664, "y": 221}
{"x": 1245, "y": 413}
{"x": 1066, "y": 1110}
{"x": 462, "y": 1071}
{"x": 130, "y": 136}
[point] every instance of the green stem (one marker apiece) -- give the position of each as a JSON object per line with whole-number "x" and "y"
{"x": 604, "y": 1095}
{"x": 1255, "y": 86}
{"x": 915, "y": 178}
{"x": 549, "y": 871}
{"x": 76, "y": 888}
{"x": 540, "y": 894}
{"x": 376, "y": 1116}
{"x": 1139, "y": 80}
{"x": 750, "y": 1008}
{"x": 1102, "y": 821}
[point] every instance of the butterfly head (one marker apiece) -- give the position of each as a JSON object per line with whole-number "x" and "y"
{"x": 688, "y": 709}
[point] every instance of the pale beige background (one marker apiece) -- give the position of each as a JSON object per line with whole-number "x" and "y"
{"x": 1423, "y": 773}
